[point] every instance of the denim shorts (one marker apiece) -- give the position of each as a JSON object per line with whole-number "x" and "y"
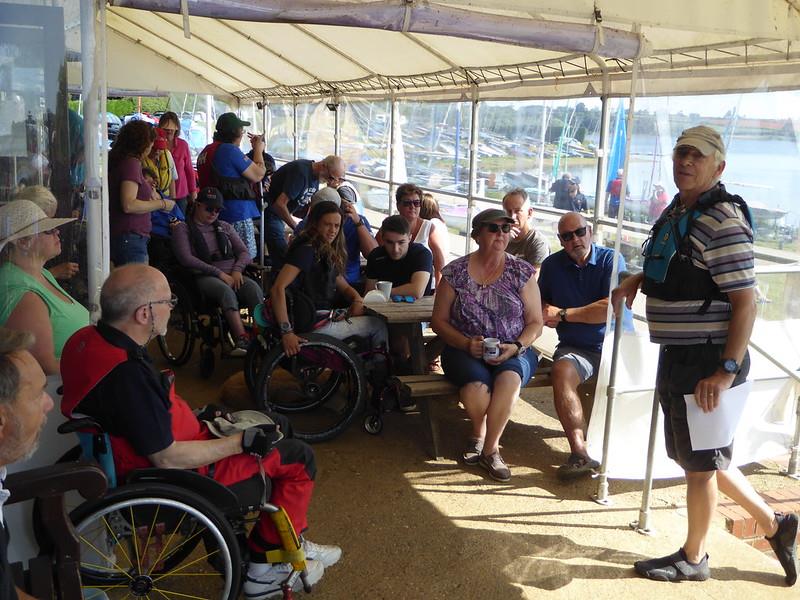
{"x": 679, "y": 370}
{"x": 586, "y": 362}
{"x": 129, "y": 248}
{"x": 462, "y": 368}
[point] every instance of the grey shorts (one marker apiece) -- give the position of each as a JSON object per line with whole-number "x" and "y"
{"x": 586, "y": 362}
{"x": 679, "y": 370}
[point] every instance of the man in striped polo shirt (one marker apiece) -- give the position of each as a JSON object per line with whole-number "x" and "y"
{"x": 701, "y": 310}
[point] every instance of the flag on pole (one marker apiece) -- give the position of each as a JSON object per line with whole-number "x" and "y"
{"x": 616, "y": 159}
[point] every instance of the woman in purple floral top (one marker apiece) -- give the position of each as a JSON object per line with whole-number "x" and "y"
{"x": 488, "y": 294}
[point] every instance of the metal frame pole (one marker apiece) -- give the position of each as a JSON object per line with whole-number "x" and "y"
{"x": 602, "y": 165}
{"x": 337, "y": 144}
{"x": 473, "y": 163}
{"x": 392, "y": 135}
{"x": 294, "y": 129}
{"x": 642, "y": 525}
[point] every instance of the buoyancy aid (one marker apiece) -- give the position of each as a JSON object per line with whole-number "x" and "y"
{"x": 86, "y": 360}
{"x": 669, "y": 271}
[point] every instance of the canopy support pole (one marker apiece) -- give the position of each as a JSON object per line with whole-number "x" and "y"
{"x": 393, "y": 120}
{"x": 95, "y": 201}
{"x": 473, "y": 165}
{"x": 337, "y": 131}
{"x": 602, "y": 150}
{"x": 294, "y": 130}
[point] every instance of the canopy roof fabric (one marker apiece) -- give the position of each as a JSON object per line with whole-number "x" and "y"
{"x": 506, "y": 49}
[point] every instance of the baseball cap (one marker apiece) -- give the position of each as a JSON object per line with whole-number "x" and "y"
{"x": 230, "y": 123}
{"x": 489, "y": 215}
{"x": 702, "y": 137}
{"x": 211, "y": 196}
{"x": 160, "y": 143}
{"x": 238, "y": 421}
{"x": 326, "y": 194}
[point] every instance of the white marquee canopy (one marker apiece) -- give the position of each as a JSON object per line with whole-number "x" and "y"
{"x": 501, "y": 49}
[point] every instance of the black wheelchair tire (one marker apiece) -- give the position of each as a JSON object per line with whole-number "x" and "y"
{"x": 256, "y": 353}
{"x": 181, "y": 319}
{"x": 355, "y": 375}
{"x": 131, "y": 496}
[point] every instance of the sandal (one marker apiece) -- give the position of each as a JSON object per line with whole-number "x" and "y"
{"x": 472, "y": 452}
{"x": 675, "y": 567}
{"x": 577, "y": 466}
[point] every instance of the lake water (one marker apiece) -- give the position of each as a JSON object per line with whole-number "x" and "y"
{"x": 763, "y": 172}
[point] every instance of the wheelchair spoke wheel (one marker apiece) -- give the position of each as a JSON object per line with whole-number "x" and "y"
{"x": 157, "y": 541}
{"x": 256, "y": 352}
{"x": 178, "y": 343}
{"x": 322, "y": 389}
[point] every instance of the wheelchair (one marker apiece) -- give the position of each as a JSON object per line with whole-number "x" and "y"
{"x": 195, "y": 319}
{"x": 323, "y": 388}
{"x": 167, "y": 533}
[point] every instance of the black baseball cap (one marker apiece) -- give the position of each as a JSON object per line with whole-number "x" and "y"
{"x": 211, "y": 197}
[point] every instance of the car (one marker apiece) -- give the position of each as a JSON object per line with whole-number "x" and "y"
{"x": 113, "y": 122}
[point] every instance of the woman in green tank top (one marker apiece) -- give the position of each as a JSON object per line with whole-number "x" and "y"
{"x": 30, "y": 298}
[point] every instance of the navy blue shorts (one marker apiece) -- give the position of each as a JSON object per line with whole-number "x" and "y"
{"x": 461, "y": 368}
{"x": 129, "y": 248}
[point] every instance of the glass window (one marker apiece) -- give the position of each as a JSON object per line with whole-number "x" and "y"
{"x": 315, "y": 130}
{"x": 280, "y": 129}
{"x": 366, "y": 132}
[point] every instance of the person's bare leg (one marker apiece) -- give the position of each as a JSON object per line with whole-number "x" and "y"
{"x": 475, "y": 397}
{"x": 701, "y": 502}
{"x": 505, "y": 392}
{"x": 734, "y": 484}
{"x": 568, "y": 404}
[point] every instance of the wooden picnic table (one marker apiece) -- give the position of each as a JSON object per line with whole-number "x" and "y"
{"x": 408, "y": 318}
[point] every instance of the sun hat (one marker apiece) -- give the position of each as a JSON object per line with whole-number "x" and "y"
{"x": 230, "y": 123}
{"x": 326, "y": 194}
{"x": 704, "y": 138}
{"x": 238, "y": 421}
{"x": 21, "y": 218}
{"x": 489, "y": 215}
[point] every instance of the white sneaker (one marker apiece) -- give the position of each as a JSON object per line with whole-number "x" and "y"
{"x": 327, "y": 555}
{"x": 264, "y": 580}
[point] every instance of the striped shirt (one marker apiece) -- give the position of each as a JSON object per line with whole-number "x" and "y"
{"x": 721, "y": 243}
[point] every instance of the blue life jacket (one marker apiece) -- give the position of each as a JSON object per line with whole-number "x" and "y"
{"x": 669, "y": 273}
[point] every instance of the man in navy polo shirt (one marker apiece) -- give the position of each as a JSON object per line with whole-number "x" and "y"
{"x": 290, "y": 188}
{"x": 574, "y": 284}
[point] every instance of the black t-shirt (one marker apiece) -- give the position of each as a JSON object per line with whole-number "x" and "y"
{"x": 132, "y": 401}
{"x": 7, "y": 589}
{"x": 296, "y": 180}
{"x": 399, "y": 272}
{"x": 316, "y": 277}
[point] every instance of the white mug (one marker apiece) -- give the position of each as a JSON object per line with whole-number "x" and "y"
{"x": 385, "y": 288}
{"x": 491, "y": 348}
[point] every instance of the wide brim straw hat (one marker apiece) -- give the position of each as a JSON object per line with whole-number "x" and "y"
{"x": 21, "y": 218}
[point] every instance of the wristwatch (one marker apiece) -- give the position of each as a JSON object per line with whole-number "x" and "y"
{"x": 360, "y": 223}
{"x": 285, "y": 327}
{"x": 729, "y": 366}
{"x": 520, "y": 348}
{"x": 563, "y": 314}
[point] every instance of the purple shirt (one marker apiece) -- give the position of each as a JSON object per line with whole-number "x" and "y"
{"x": 496, "y": 310}
{"x": 128, "y": 169}
{"x": 183, "y": 249}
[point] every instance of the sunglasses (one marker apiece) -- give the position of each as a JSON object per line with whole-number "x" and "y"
{"x": 211, "y": 209}
{"x": 494, "y": 227}
{"x": 568, "y": 235}
{"x": 408, "y": 203}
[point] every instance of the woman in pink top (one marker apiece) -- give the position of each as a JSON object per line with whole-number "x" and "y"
{"x": 186, "y": 186}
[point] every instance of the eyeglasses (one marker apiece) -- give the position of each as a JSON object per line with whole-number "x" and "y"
{"x": 494, "y": 227}
{"x": 408, "y": 203}
{"x": 173, "y": 301}
{"x": 211, "y": 209}
{"x": 568, "y": 235}
{"x": 169, "y": 130}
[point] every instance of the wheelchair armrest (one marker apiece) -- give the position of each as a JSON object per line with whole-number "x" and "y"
{"x": 56, "y": 480}
{"x": 78, "y": 424}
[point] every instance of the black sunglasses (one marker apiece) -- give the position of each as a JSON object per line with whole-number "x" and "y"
{"x": 411, "y": 202}
{"x": 494, "y": 227}
{"x": 211, "y": 209}
{"x": 568, "y": 235}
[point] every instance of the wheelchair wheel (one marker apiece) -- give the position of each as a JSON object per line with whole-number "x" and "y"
{"x": 157, "y": 540}
{"x": 207, "y": 361}
{"x": 323, "y": 388}
{"x": 253, "y": 361}
{"x": 178, "y": 343}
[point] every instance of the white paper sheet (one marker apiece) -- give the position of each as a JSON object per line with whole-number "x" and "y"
{"x": 708, "y": 431}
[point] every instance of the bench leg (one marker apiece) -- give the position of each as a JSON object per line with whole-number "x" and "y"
{"x": 433, "y": 427}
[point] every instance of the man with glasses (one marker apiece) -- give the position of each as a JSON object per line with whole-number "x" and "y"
{"x": 217, "y": 257}
{"x": 109, "y": 376}
{"x": 290, "y": 189}
{"x": 527, "y": 242}
{"x": 574, "y": 284}
{"x": 701, "y": 294}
